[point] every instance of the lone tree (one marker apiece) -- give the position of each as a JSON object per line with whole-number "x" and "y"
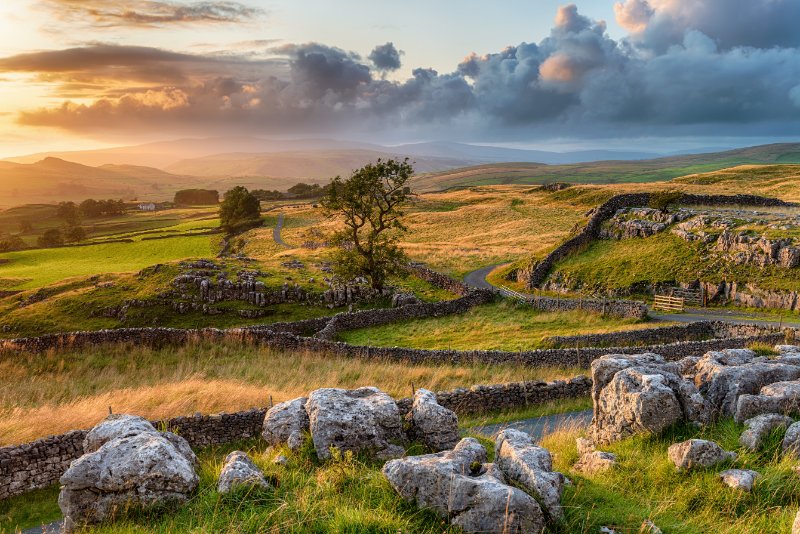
{"x": 370, "y": 203}
{"x": 239, "y": 209}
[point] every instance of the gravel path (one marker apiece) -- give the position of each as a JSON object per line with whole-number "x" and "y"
{"x": 276, "y": 232}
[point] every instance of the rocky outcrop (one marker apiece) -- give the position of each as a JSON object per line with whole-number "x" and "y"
{"x": 739, "y": 479}
{"x": 432, "y": 424}
{"x": 780, "y": 397}
{"x": 287, "y": 423}
{"x": 460, "y": 487}
{"x": 239, "y": 471}
{"x": 530, "y": 466}
{"x": 695, "y": 453}
{"x": 724, "y": 376}
{"x": 136, "y": 469}
{"x": 759, "y": 427}
{"x": 360, "y": 420}
{"x": 640, "y": 394}
{"x": 404, "y": 299}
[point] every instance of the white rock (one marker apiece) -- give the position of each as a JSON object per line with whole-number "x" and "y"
{"x": 116, "y": 426}
{"x": 431, "y": 423}
{"x": 459, "y": 486}
{"x": 240, "y": 471}
{"x": 286, "y": 423}
{"x": 530, "y": 466}
{"x": 741, "y": 479}
{"x": 359, "y": 420}
{"x": 139, "y": 470}
{"x": 695, "y": 453}
{"x": 759, "y": 427}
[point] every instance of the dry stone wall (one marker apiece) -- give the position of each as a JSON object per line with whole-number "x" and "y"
{"x": 629, "y": 309}
{"x": 535, "y": 274}
{"x": 39, "y": 464}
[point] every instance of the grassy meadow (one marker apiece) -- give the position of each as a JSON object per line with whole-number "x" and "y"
{"x": 349, "y": 494}
{"x": 57, "y": 391}
{"x": 503, "y": 325}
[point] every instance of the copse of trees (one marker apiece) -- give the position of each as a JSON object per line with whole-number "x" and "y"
{"x": 51, "y": 238}
{"x": 92, "y": 208}
{"x": 196, "y": 197}
{"x": 239, "y": 209}
{"x": 299, "y": 190}
{"x": 264, "y": 194}
{"x": 11, "y": 243}
{"x": 370, "y": 203}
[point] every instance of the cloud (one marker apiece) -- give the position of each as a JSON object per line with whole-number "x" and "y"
{"x": 149, "y": 13}
{"x": 658, "y": 24}
{"x": 386, "y": 57}
{"x": 576, "y": 82}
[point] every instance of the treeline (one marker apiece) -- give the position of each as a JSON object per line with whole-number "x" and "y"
{"x": 299, "y": 191}
{"x": 91, "y": 209}
{"x": 196, "y": 197}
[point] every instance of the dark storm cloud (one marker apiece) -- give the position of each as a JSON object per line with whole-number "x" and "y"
{"x": 386, "y": 57}
{"x": 149, "y": 13}
{"x": 577, "y": 81}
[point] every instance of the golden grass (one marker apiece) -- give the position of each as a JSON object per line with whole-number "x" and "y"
{"x": 58, "y": 391}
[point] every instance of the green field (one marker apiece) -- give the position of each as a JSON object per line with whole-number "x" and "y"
{"x": 28, "y": 269}
{"x": 498, "y": 326}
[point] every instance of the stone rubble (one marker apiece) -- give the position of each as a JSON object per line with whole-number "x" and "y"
{"x": 740, "y": 479}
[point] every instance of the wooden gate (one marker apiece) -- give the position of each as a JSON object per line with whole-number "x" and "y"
{"x": 670, "y": 304}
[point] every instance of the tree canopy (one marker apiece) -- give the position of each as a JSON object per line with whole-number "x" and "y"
{"x": 369, "y": 203}
{"x": 239, "y": 208}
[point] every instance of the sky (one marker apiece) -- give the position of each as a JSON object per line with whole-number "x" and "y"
{"x": 650, "y": 74}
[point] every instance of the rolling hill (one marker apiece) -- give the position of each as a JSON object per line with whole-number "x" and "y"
{"x": 614, "y": 171}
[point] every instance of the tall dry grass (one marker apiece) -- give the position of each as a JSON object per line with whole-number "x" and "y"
{"x": 58, "y": 391}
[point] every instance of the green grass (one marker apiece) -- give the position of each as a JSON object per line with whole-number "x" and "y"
{"x": 647, "y": 485}
{"x": 497, "y": 326}
{"x": 29, "y": 269}
{"x": 662, "y": 258}
{"x": 349, "y": 494}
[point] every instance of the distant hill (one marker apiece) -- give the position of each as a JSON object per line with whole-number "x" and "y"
{"x": 612, "y": 171}
{"x": 164, "y": 154}
{"x": 53, "y": 179}
{"x": 313, "y": 166}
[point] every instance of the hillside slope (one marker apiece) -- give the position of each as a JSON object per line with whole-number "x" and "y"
{"x": 609, "y": 172}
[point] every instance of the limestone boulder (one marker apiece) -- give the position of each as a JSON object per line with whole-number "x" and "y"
{"x": 723, "y": 376}
{"x": 780, "y": 397}
{"x": 791, "y": 440}
{"x": 640, "y": 394}
{"x": 404, "y": 299}
{"x": 740, "y": 479}
{"x": 130, "y": 471}
{"x": 531, "y": 467}
{"x": 360, "y": 420}
{"x": 695, "y": 453}
{"x": 459, "y": 486}
{"x": 595, "y": 462}
{"x": 287, "y": 423}
{"x": 796, "y": 524}
{"x": 239, "y": 471}
{"x": 116, "y": 426}
{"x": 759, "y": 427}
{"x": 431, "y": 423}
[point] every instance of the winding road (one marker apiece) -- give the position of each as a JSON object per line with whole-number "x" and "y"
{"x": 538, "y": 427}
{"x": 276, "y": 232}
{"x": 477, "y": 279}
